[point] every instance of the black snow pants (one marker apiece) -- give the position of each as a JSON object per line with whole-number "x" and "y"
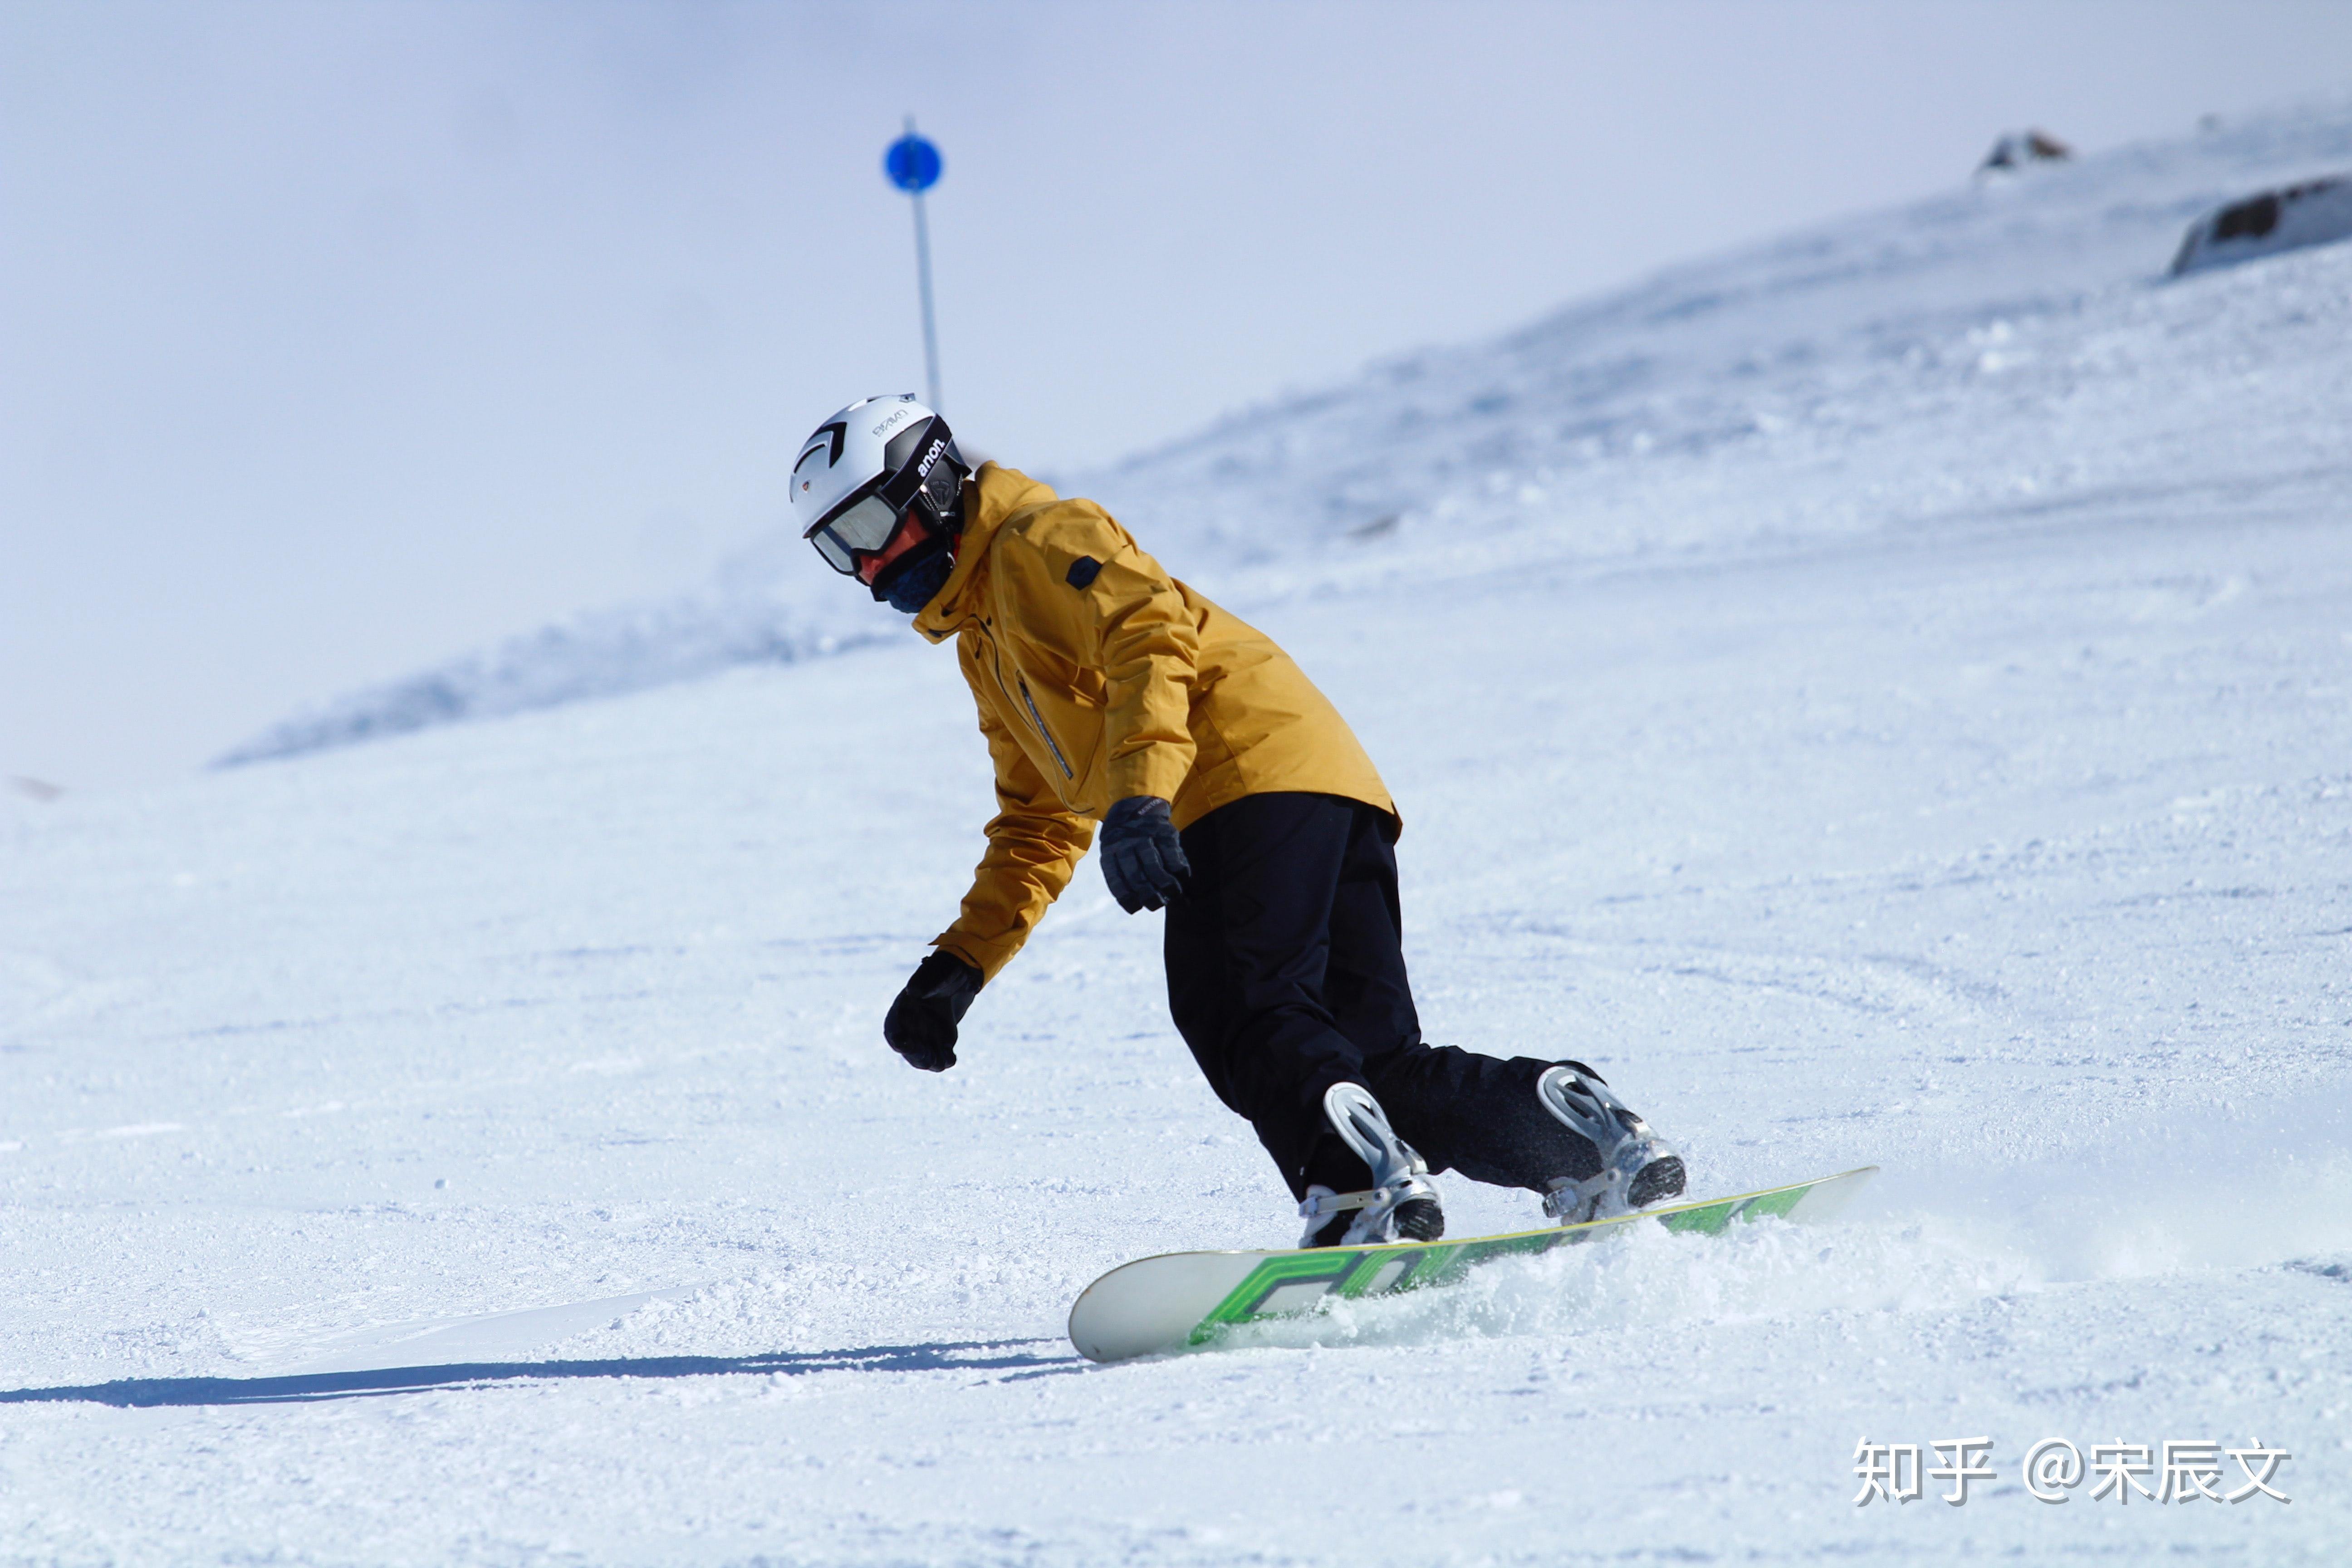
{"x": 1285, "y": 975}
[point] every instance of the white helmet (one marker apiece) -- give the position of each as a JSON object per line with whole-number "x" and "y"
{"x": 861, "y": 470}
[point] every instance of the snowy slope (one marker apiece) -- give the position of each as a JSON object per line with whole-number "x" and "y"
{"x": 1945, "y": 767}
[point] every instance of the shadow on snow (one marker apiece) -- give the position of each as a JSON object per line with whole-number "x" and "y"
{"x": 136, "y": 1393}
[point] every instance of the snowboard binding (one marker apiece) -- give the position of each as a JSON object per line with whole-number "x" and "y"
{"x": 1400, "y": 1206}
{"x": 1638, "y": 1168}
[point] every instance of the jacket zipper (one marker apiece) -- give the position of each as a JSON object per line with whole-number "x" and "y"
{"x": 996, "y": 656}
{"x": 1038, "y": 720}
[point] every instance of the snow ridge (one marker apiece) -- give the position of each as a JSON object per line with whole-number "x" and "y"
{"x": 1643, "y": 420}
{"x": 742, "y": 619}
{"x": 1773, "y": 394}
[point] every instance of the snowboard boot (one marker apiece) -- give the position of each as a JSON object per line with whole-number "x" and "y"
{"x": 1638, "y": 1168}
{"x": 1400, "y": 1205}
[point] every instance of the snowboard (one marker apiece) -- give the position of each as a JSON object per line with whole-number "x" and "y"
{"x": 1182, "y": 1298}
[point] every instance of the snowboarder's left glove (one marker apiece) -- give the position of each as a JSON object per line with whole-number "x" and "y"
{"x": 1142, "y": 858}
{"x": 921, "y": 1024}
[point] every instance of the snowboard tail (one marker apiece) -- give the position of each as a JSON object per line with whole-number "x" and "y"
{"x": 1182, "y": 1298}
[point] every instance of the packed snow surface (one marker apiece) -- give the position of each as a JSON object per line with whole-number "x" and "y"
{"x": 1883, "y": 698}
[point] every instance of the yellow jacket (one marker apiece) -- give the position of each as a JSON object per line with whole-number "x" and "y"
{"x": 1099, "y": 676}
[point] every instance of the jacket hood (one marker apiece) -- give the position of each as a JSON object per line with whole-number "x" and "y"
{"x": 1000, "y": 491}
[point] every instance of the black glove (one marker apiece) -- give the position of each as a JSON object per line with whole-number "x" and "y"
{"x": 921, "y": 1024}
{"x": 1142, "y": 858}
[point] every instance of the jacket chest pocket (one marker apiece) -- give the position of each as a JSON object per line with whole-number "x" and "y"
{"x": 1064, "y": 729}
{"x": 1044, "y": 730}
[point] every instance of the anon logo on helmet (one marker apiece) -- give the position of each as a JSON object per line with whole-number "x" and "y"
{"x": 923, "y": 469}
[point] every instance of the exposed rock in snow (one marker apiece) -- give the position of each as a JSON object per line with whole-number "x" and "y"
{"x": 2017, "y": 149}
{"x": 2316, "y": 212}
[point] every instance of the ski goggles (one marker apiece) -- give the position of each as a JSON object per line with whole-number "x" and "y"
{"x": 861, "y": 528}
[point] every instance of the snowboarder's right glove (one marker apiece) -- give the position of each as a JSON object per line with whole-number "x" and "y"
{"x": 1142, "y": 858}
{"x": 921, "y": 1024}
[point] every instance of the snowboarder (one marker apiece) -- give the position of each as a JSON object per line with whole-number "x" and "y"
{"x": 1230, "y": 792}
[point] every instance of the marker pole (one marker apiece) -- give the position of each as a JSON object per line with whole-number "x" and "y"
{"x": 923, "y": 276}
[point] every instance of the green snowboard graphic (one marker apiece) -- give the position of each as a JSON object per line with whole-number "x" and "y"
{"x": 1182, "y": 1298}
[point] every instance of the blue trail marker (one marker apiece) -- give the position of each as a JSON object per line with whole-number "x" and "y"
{"x": 913, "y": 165}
